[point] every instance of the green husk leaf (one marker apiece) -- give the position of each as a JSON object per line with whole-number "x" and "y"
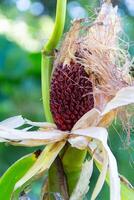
{"x": 14, "y": 174}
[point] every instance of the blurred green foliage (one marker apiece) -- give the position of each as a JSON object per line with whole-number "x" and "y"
{"x": 20, "y": 84}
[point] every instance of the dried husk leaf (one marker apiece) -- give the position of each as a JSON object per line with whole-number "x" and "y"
{"x": 79, "y": 142}
{"x": 124, "y": 97}
{"x": 69, "y": 46}
{"x": 82, "y": 186}
{"x": 43, "y": 162}
{"x": 107, "y": 119}
{"x": 102, "y": 176}
{"x": 91, "y": 118}
{"x": 40, "y": 124}
{"x": 101, "y": 135}
{"x": 30, "y": 138}
{"x": 13, "y": 122}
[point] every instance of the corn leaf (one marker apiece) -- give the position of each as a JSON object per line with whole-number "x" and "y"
{"x": 14, "y": 174}
{"x": 127, "y": 192}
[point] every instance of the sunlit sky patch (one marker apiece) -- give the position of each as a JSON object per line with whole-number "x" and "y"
{"x": 36, "y": 8}
{"x": 76, "y": 10}
{"x": 23, "y": 5}
{"x": 130, "y": 6}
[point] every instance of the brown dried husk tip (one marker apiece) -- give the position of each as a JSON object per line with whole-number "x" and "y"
{"x": 96, "y": 49}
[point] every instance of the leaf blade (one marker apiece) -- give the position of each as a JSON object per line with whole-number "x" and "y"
{"x": 127, "y": 193}
{"x": 13, "y": 174}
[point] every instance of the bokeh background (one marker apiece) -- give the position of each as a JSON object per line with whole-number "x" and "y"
{"x": 25, "y": 26}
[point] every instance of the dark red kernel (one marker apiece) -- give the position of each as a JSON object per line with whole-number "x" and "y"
{"x": 71, "y": 95}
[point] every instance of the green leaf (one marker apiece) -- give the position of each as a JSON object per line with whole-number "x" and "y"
{"x": 72, "y": 167}
{"x": 127, "y": 193}
{"x": 14, "y": 174}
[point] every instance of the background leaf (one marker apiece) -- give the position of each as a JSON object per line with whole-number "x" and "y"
{"x": 14, "y": 174}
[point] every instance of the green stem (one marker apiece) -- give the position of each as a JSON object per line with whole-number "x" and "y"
{"x": 72, "y": 162}
{"x": 58, "y": 27}
{"x": 57, "y": 180}
{"x": 48, "y": 56}
{"x": 46, "y": 70}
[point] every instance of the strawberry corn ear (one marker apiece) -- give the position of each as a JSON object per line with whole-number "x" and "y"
{"x": 71, "y": 95}
{"x": 90, "y": 68}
